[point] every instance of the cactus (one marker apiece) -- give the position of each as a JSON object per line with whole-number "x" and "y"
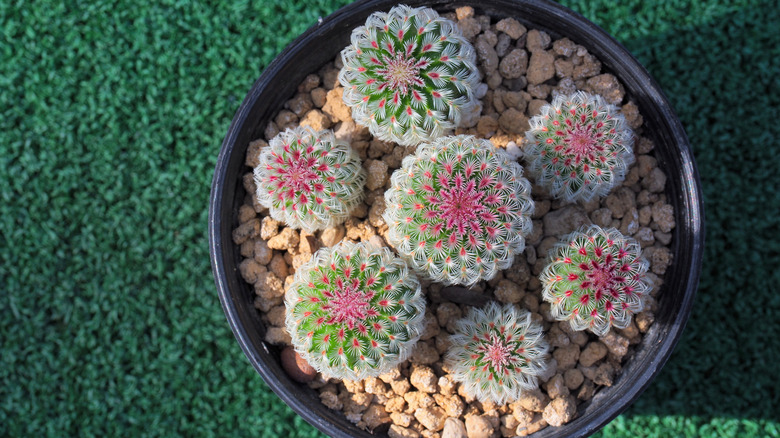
{"x": 354, "y": 311}
{"x": 579, "y": 147}
{"x": 459, "y": 210}
{"x": 409, "y": 75}
{"x": 497, "y": 352}
{"x": 308, "y": 179}
{"x": 595, "y": 279}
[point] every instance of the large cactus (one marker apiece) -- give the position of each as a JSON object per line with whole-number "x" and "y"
{"x": 459, "y": 210}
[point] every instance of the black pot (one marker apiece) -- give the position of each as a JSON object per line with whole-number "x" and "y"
{"x": 320, "y": 45}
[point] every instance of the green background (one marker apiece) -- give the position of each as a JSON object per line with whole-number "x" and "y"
{"x": 111, "y": 118}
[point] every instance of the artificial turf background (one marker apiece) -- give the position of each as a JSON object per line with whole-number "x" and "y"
{"x": 111, "y": 118}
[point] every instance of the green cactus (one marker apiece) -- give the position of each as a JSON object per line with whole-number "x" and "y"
{"x": 308, "y": 179}
{"x": 580, "y": 147}
{"x": 354, "y": 311}
{"x": 409, "y": 75}
{"x": 459, "y": 210}
{"x": 595, "y": 279}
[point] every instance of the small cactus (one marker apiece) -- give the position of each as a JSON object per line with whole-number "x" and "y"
{"x": 596, "y": 279}
{"x": 354, "y": 311}
{"x": 459, "y": 210}
{"x": 579, "y": 147}
{"x": 409, "y": 75}
{"x": 497, "y": 352}
{"x": 308, "y": 179}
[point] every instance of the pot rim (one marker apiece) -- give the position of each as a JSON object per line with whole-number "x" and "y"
{"x": 612, "y": 54}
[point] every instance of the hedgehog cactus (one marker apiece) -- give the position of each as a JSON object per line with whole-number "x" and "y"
{"x": 596, "y": 279}
{"x": 408, "y": 75}
{"x": 354, "y": 311}
{"x": 459, "y": 210}
{"x": 580, "y": 147}
{"x": 308, "y": 179}
{"x": 497, "y": 352}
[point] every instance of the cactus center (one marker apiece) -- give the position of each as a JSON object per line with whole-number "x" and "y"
{"x": 497, "y": 353}
{"x": 400, "y": 72}
{"x": 349, "y": 304}
{"x": 581, "y": 142}
{"x": 460, "y": 206}
{"x": 602, "y": 277}
{"x": 298, "y": 174}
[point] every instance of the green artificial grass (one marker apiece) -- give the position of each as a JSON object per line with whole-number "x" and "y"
{"x": 111, "y": 118}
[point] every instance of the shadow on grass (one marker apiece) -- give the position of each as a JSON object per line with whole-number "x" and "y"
{"x": 722, "y": 78}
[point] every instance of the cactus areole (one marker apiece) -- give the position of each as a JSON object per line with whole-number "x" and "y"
{"x": 459, "y": 209}
{"x": 354, "y": 311}
{"x": 408, "y": 75}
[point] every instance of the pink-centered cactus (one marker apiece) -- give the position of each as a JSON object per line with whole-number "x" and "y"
{"x": 497, "y": 352}
{"x": 409, "y": 75}
{"x": 596, "y": 279}
{"x": 354, "y": 311}
{"x": 308, "y": 179}
{"x": 579, "y": 147}
{"x": 459, "y": 210}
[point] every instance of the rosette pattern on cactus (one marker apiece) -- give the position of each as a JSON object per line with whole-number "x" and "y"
{"x": 409, "y": 75}
{"x": 308, "y": 179}
{"x": 354, "y": 311}
{"x": 497, "y": 352}
{"x": 596, "y": 279}
{"x": 579, "y": 147}
{"x": 459, "y": 209}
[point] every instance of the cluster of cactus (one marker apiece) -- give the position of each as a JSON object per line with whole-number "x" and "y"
{"x": 458, "y": 210}
{"x": 309, "y": 179}
{"x": 408, "y": 75}
{"x": 595, "y": 279}
{"x": 354, "y": 311}
{"x": 580, "y": 147}
{"x": 497, "y": 352}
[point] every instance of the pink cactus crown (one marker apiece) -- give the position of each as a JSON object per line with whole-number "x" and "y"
{"x": 408, "y": 75}
{"x": 497, "y": 352}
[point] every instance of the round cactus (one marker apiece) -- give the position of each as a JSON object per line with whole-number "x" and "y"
{"x": 497, "y": 352}
{"x": 459, "y": 210}
{"x": 409, "y": 75}
{"x": 596, "y": 279}
{"x": 580, "y": 147}
{"x": 308, "y": 179}
{"x": 354, "y": 311}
